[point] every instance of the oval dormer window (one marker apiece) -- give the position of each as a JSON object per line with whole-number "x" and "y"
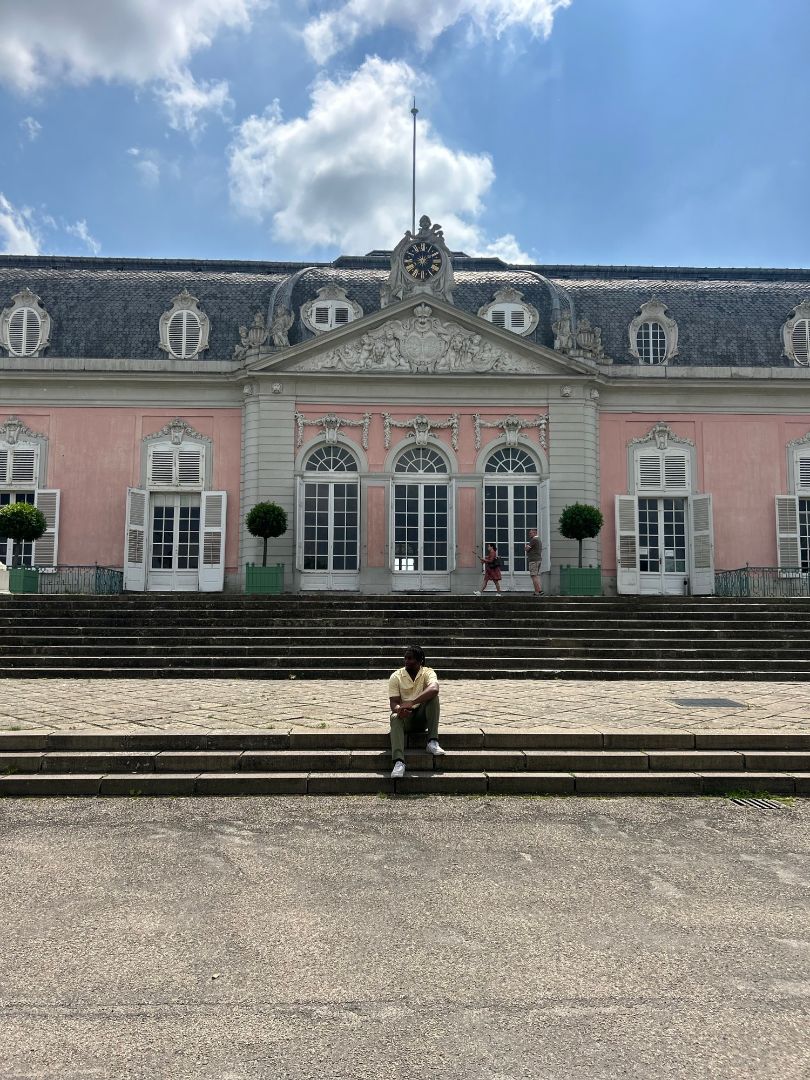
{"x": 331, "y": 314}
{"x": 651, "y": 343}
{"x": 800, "y": 340}
{"x": 509, "y": 311}
{"x": 330, "y": 310}
{"x": 24, "y": 332}
{"x": 184, "y": 334}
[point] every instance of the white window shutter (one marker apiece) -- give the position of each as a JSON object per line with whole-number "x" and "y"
{"x": 498, "y": 317}
{"x": 161, "y": 470}
{"x": 701, "y": 547}
{"x": 451, "y": 526}
{"x": 544, "y": 524}
{"x": 788, "y": 555}
{"x": 24, "y": 462}
{"x": 299, "y": 523}
{"x": 801, "y": 476}
{"x": 190, "y": 468}
{"x": 649, "y": 474}
{"x": 212, "y": 565}
{"x": 135, "y": 540}
{"x": 46, "y": 549}
{"x": 24, "y": 330}
{"x": 4, "y": 461}
{"x": 627, "y": 569}
{"x": 341, "y": 315}
{"x": 676, "y": 472}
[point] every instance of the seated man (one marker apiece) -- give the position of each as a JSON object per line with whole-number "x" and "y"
{"x": 413, "y": 692}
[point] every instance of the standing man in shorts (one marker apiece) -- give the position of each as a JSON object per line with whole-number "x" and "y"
{"x": 534, "y": 556}
{"x": 413, "y": 694}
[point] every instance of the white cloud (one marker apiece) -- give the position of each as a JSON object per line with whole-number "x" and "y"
{"x": 147, "y": 166}
{"x": 17, "y": 233}
{"x": 31, "y": 127}
{"x": 341, "y": 175}
{"x": 81, "y": 232}
{"x": 333, "y": 30}
{"x": 130, "y": 41}
{"x": 185, "y": 100}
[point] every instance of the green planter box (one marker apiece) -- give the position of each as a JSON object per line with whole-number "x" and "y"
{"x": 264, "y": 579}
{"x": 580, "y": 580}
{"x": 21, "y": 579}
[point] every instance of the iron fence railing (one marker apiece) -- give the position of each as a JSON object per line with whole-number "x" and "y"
{"x": 764, "y": 581}
{"x": 97, "y": 580}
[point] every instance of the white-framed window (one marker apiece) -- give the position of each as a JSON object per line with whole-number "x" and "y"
{"x": 515, "y": 500}
{"x": 510, "y": 459}
{"x": 510, "y": 311}
{"x": 329, "y": 512}
{"x": 19, "y": 466}
{"x": 663, "y": 472}
{"x": 796, "y": 334}
{"x": 422, "y": 513}
{"x": 25, "y": 326}
{"x": 170, "y": 466}
{"x": 793, "y": 511}
{"x": 420, "y": 459}
{"x": 184, "y": 328}
{"x": 330, "y": 310}
{"x": 651, "y": 343}
{"x": 653, "y": 334}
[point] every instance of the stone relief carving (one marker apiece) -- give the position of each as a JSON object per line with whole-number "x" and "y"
{"x": 581, "y": 343}
{"x": 421, "y": 428}
{"x": 420, "y": 345}
{"x": 13, "y": 429}
{"x": 511, "y": 426}
{"x": 251, "y": 338}
{"x": 400, "y": 284}
{"x": 661, "y": 435}
{"x": 801, "y": 354}
{"x": 654, "y": 311}
{"x": 280, "y": 329}
{"x": 331, "y": 425}
{"x": 176, "y": 430}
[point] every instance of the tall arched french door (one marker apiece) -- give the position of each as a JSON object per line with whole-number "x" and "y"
{"x": 421, "y": 521}
{"x": 515, "y": 500}
{"x": 329, "y": 520}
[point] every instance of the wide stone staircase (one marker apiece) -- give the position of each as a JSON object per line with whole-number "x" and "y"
{"x": 353, "y": 637}
{"x": 315, "y": 636}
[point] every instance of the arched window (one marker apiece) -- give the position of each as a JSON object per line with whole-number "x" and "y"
{"x": 511, "y": 507}
{"x": 651, "y": 343}
{"x": 25, "y": 326}
{"x": 330, "y": 511}
{"x": 800, "y": 340}
{"x": 184, "y": 328}
{"x": 421, "y": 513}
{"x": 510, "y": 459}
{"x": 420, "y": 459}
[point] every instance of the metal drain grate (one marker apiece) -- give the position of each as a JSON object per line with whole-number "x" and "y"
{"x": 709, "y": 702}
{"x": 760, "y": 804}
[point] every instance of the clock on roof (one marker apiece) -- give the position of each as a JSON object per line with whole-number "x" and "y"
{"x": 421, "y": 260}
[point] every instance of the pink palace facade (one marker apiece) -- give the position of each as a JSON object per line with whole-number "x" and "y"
{"x": 405, "y": 407}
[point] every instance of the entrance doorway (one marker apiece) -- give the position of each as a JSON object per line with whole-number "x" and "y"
{"x": 174, "y": 551}
{"x": 662, "y": 545}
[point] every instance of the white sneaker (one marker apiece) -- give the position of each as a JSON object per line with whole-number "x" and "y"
{"x": 398, "y": 770}
{"x": 434, "y": 748}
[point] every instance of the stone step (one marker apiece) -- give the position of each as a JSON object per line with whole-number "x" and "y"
{"x": 414, "y": 782}
{"x": 373, "y": 761}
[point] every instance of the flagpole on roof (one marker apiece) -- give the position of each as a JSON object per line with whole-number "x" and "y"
{"x": 414, "y": 111}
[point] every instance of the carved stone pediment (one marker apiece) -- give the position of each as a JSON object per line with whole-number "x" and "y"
{"x": 419, "y": 344}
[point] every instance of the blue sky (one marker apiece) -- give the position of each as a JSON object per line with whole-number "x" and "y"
{"x": 583, "y": 131}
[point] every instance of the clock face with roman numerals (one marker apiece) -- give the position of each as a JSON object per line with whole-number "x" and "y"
{"x": 422, "y": 260}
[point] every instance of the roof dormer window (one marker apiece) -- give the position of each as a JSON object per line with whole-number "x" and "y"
{"x": 653, "y": 334}
{"x": 796, "y": 335}
{"x": 25, "y": 326}
{"x": 509, "y": 311}
{"x": 330, "y": 310}
{"x": 184, "y": 328}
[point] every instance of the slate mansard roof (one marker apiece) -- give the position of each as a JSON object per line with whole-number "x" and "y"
{"x": 110, "y": 308}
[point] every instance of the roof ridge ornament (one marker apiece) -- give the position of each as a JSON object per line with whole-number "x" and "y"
{"x": 420, "y": 263}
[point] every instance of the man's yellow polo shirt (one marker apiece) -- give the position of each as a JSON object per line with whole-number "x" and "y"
{"x": 401, "y": 685}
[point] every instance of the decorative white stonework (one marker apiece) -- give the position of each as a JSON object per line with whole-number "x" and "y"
{"x": 421, "y": 428}
{"x": 25, "y": 326}
{"x": 252, "y": 338}
{"x": 184, "y": 328}
{"x": 803, "y": 440}
{"x": 249, "y": 389}
{"x": 581, "y": 343}
{"x": 511, "y": 426}
{"x": 421, "y": 345}
{"x": 511, "y": 312}
{"x": 14, "y": 429}
{"x": 425, "y": 254}
{"x": 662, "y": 436}
{"x": 330, "y": 309}
{"x": 594, "y": 395}
{"x": 565, "y": 391}
{"x": 331, "y": 425}
{"x": 177, "y": 430}
{"x": 796, "y": 335}
{"x": 277, "y": 388}
{"x": 654, "y": 311}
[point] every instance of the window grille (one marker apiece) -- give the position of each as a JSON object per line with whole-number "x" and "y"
{"x": 330, "y": 459}
{"x": 800, "y": 339}
{"x": 24, "y": 329}
{"x": 184, "y": 334}
{"x": 651, "y": 343}
{"x": 509, "y": 459}
{"x": 420, "y": 459}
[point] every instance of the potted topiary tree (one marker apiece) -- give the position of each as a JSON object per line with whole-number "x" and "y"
{"x": 22, "y": 523}
{"x": 267, "y": 520}
{"x": 580, "y": 521}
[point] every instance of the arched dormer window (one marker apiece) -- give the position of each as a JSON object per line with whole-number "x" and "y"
{"x": 184, "y": 328}
{"x": 796, "y": 335}
{"x": 511, "y": 312}
{"x": 653, "y": 334}
{"x": 330, "y": 310}
{"x": 25, "y": 326}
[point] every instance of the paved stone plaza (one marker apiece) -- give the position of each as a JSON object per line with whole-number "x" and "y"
{"x": 249, "y": 705}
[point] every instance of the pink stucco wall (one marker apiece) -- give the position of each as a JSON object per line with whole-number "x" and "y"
{"x": 94, "y": 455}
{"x": 741, "y": 462}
